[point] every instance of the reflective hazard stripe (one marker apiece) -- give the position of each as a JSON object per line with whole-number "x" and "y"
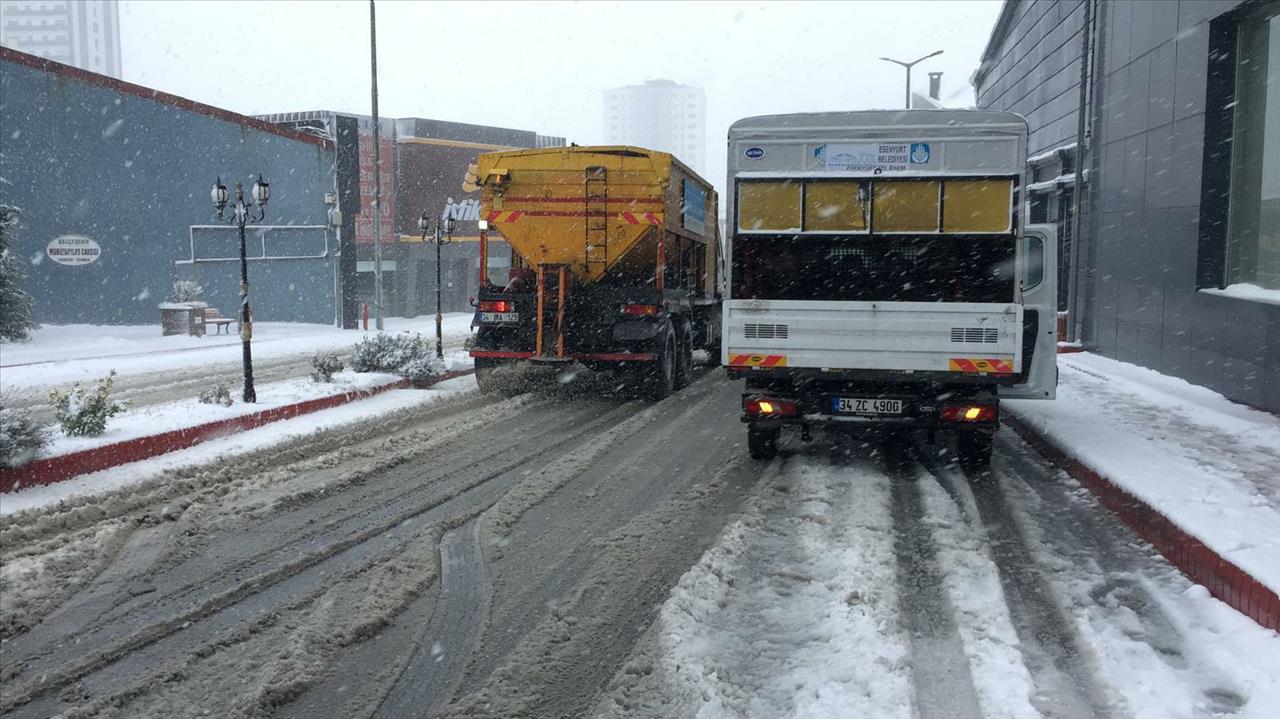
{"x": 503, "y": 216}
{"x": 990, "y": 365}
{"x": 633, "y": 218}
{"x": 747, "y": 360}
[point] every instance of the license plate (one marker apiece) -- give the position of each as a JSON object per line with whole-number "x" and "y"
{"x": 859, "y": 405}
{"x": 499, "y": 316}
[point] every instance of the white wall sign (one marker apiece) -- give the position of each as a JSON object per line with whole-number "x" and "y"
{"x": 73, "y": 250}
{"x": 885, "y": 156}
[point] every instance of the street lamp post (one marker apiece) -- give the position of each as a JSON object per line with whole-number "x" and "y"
{"x": 908, "y": 66}
{"x": 241, "y": 216}
{"x": 444, "y": 226}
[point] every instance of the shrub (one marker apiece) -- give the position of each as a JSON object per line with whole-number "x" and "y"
{"x": 186, "y": 291}
{"x": 20, "y": 438}
{"x": 326, "y": 365}
{"x": 82, "y": 413}
{"x": 408, "y": 355}
{"x": 217, "y": 394}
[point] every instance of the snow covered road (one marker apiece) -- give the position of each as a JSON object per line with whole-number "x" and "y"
{"x": 571, "y": 552}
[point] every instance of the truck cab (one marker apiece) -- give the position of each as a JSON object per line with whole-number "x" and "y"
{"x": 880, "y": 274}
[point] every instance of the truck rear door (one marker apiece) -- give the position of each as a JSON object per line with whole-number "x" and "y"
{"x": 1038, "y": 277}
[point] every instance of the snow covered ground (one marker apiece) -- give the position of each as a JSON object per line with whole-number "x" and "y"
{"x": 61, "y": 354}
{"x": 276, "y": 433}
{"x": 899, "y": 586}
{"x": 1208, "y": 464}
{"x": 155, "y": 419}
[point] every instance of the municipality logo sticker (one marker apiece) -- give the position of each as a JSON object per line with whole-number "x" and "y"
{"x": 754, "y": 153}
{"x": 919, "y": 153}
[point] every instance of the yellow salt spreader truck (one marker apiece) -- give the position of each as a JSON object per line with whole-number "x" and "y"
{"x": 614, "y": 259}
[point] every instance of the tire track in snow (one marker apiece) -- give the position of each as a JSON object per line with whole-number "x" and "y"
{"x": 277, "y": 585}
{"x": 236, "y": 558}
{"x": 943, "y": 682}
{"x": 1123, "y": 573}
{"x": 1061, "y": 672}
{"x": 449, "y": 637}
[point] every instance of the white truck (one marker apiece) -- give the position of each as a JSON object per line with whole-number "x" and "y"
{"x": 880, "y": 273}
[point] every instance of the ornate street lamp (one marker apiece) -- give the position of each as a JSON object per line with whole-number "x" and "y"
{"x": 444, "y": 226}
{"x": 241, "y": 216}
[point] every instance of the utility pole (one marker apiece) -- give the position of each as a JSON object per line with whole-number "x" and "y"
{"x": 377, "y": 168}
{"x": 908, "y": 66}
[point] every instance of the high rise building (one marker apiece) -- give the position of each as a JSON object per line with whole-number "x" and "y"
{"x": 83, "y": 33}
{"x": 659, "y": 115}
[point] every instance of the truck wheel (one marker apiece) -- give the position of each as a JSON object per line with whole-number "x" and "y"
{"x": 660, "y": 379}
{"x": 762, "y": 443}
{"x": 684, "y": 358}
{"x": 974, "y": 449}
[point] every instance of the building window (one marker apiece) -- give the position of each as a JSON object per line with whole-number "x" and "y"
{"x": 1253, "y": 223}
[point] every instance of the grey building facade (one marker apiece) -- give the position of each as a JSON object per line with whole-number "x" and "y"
{"x": 1155, "y": 138}
{"x": 112, "y": 180}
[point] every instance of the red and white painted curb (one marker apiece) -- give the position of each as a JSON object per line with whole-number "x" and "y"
{"x": 1192, "y": 557}
{"x": 56, "y": 469}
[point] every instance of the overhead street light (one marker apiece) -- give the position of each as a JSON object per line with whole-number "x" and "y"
{"x": 908, "y": 66}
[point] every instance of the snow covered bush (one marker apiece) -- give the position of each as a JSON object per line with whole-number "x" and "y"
{"x": 217, "y": 394}
{"x": 186, "y": 291}
{"x": 408, "y": 355}
{"x": 84, "y": 413}
{"x": 16, "y": 318}
{"x": 20, "y": 438}
{"x": 326, "y": 365}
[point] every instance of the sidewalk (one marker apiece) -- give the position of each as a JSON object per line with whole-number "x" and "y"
{"x": 1157, "y": 448}
{"x": 62, "y": 354}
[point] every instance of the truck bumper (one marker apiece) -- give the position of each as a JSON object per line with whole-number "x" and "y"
{"x": 930, "y": 411}
{"x": 579, "y": 356}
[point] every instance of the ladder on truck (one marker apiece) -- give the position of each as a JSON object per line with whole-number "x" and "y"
{"x": 596, "y": 227}
{"x": 551, "y": 299}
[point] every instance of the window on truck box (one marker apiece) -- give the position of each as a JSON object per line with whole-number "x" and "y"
{"x": 905, "y": 205}
{"x": 835, "y": 206}
{"x": 976, "y": 205}
{"x": 769, "y": 205}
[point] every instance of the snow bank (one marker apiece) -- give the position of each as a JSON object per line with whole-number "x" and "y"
{"x": 273, "y": 434}
{"x": 154, "y": 419}
{"x": 1208, "y": 464}
{"x": 61, "y": 354}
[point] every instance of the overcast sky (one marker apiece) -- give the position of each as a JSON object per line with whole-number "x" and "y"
{"x": 542, "y": 66}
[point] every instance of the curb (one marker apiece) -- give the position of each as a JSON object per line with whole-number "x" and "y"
{"x": 1192, "y": 557}
{"x": 62, "y": 467}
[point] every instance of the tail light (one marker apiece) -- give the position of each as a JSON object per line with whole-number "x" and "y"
{"x": 640, "y": 310}
{"x": 968, "y": 413}
{"x": 497, "y": 306}
{"x": 769, "y": 407}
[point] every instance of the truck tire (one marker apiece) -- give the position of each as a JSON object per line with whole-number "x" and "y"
{"x": 974, "y": 449}
{"x": 684, "y": 357}
{"x": 660, "y": 377}
{"x": 762, "y": 442}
